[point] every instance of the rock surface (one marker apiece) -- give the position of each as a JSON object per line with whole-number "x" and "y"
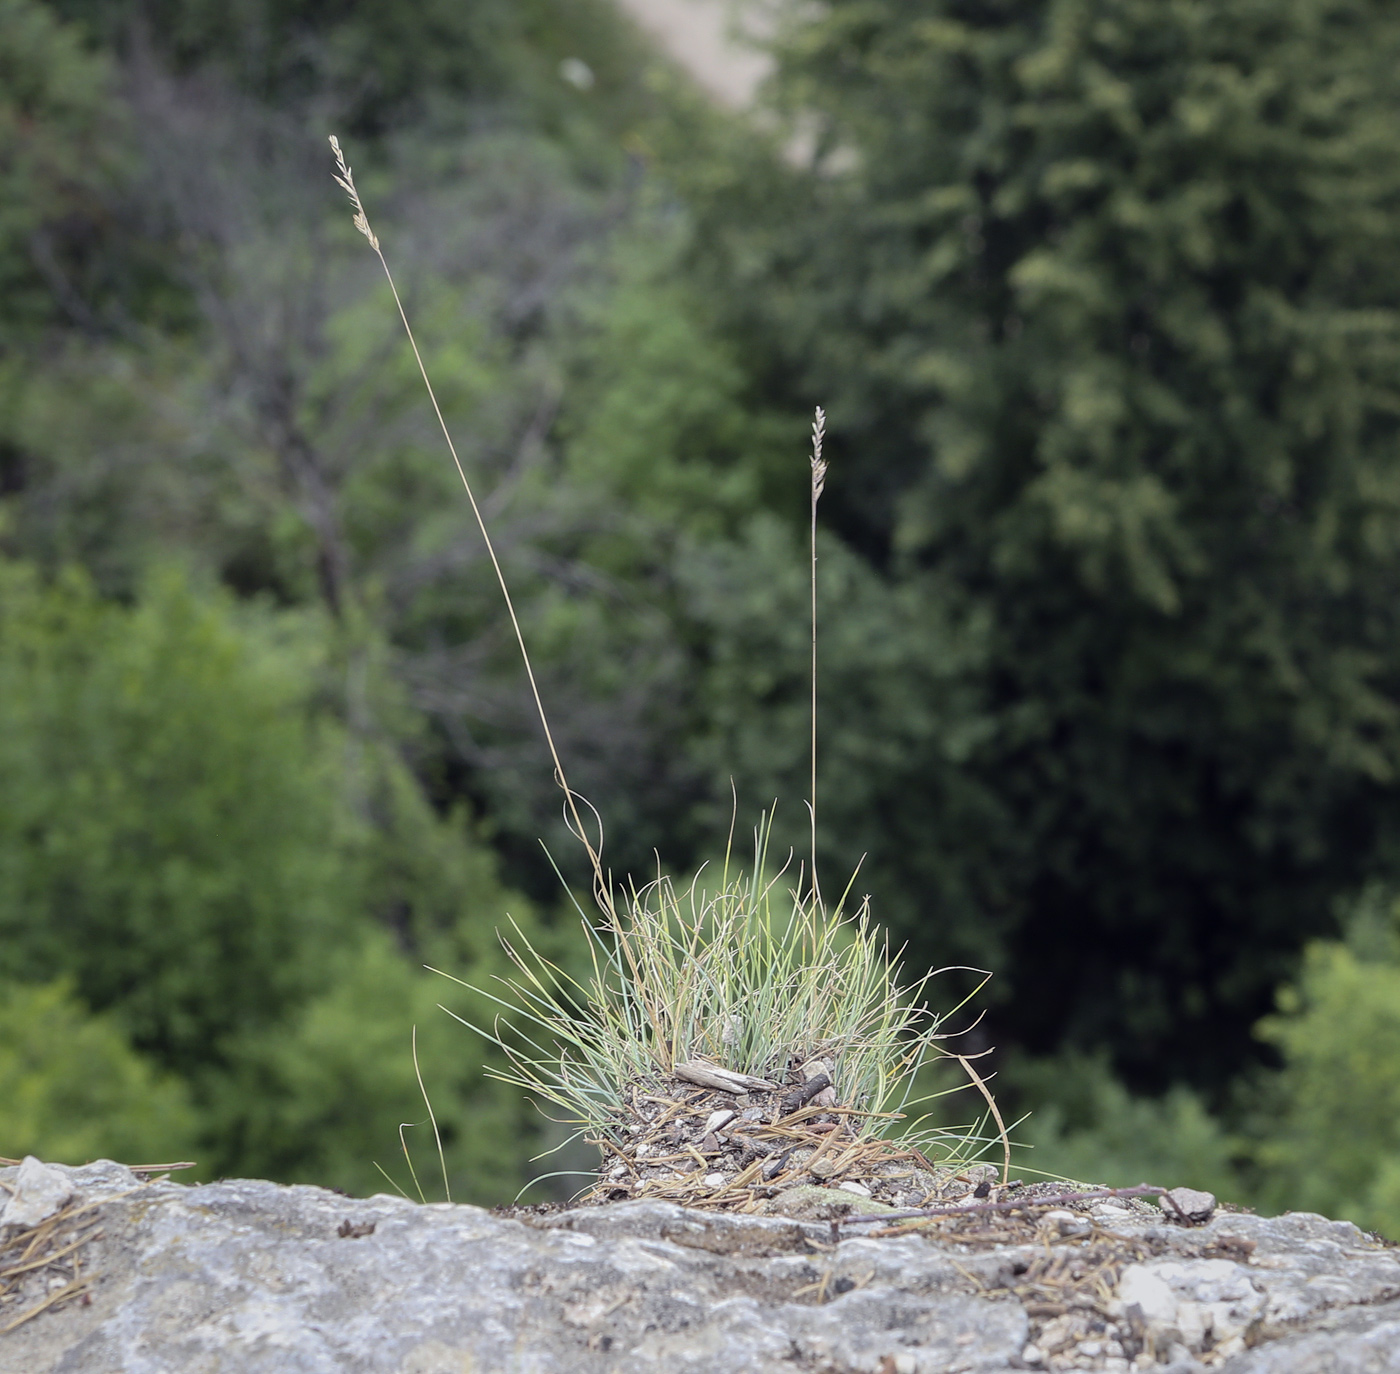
{"x": 36, "y": 1192}
{"x": 244, "y": 1277}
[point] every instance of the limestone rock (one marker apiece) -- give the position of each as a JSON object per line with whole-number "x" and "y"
{"x": 1206, "y": 1305}
{"x": 39, "y": 1191}
{"x": 244, "y": 1277}
{"x": 1190, "y": 1203}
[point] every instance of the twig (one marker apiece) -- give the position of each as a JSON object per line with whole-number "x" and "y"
{"x": 6, "y": 1163}
{"x": 972, "y": 1208}
{"x": 774, "y": 1167}
{"x": 806, "y": 1093}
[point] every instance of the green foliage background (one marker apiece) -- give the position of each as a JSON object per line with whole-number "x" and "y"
{"x": 1101, "y": 298}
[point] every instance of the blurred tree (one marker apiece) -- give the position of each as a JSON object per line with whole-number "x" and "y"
{"x": 1102, "y": 297}
{"x": 1085, "y": 1125}
{"x": 72, "y": 1088}
{"x": 54, "y": 164}
{"x": 563, "y": 65}
{"x": 289, "y": 448}
{"x": 318, "y": 1099}
{"x": 233, "y": 882}
{"x": 74, "y": 251}
{"x": 171, "y": 830}
{"x": 1328, "y": 1124}
{"x": 1101, "y": 316}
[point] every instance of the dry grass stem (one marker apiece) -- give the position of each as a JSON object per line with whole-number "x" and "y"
{"x": 346, "y": 180}
{"x": 818, "y": 486}
{"x": 980, "y": 1083}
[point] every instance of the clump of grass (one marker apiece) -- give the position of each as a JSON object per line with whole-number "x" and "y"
{"x": 748, "y": 975}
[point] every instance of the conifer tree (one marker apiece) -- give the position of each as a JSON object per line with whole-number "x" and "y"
{"x": 1103, "y": 298}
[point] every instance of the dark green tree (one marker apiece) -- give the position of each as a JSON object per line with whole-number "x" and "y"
{"x": 193, "y": 847}
{"x": 74, "y": 1090}
{"x": 71, "y": 251}
{"x": 1103, "y": 297}
{"x": 172, "y": 835}
{"x": 565, "y": 64}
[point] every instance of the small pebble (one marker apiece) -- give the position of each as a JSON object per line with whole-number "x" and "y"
{"x": 1189, "y": 1202}
{"x": 858, "y": 1188}
{"x": 714, "y": 1180}
{"x": 1031, "y": 1355}
{"x": 1062, "y": 1222}
{"x": 1110, "y": 1216}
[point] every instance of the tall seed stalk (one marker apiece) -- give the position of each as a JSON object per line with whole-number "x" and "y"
{"x": 818, "y": 484}
{"x": 346, "y": 180}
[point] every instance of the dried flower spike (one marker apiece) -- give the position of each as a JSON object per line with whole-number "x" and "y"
{"x": 818, "y": 466}
{"x": 345, "y": 178}
{"x": 818, "y": 485}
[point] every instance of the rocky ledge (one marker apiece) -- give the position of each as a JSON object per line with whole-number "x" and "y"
{"x": 105, "y": 1273}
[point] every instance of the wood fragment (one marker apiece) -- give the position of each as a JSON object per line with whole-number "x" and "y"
{"x": 806, "y": 1093}
{"x": 758, "y": 1147}
{"x": 724, "y": 1080}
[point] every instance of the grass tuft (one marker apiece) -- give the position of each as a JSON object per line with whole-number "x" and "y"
{"x": 748, "y": 977}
